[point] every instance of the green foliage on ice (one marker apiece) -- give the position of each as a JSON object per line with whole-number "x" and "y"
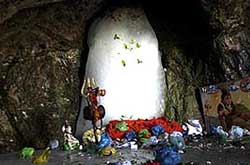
{"x": 138, "y": 45}
{"x": 130, "y": 46}
{"x": 116, "y": 37}
{"x": 139, "y": 61}
{"x": 125, "y": 46}
{"x": 123, "y": 63}
{"x": 132, "y": 41}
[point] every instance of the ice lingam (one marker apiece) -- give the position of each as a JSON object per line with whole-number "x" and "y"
{"x": 125, "y": 60}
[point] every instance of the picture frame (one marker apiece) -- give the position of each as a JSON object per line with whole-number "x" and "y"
{"x": 217, "y": 112}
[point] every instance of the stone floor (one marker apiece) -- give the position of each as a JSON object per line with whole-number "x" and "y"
{"x": 198, "y": 152}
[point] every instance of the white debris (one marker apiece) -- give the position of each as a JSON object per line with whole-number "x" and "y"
{"x": 193, "y": 127}
{"x": 133, "y": 146}
{"x": 25, "y": 114}
{"x": 208, "y": 162}
{"x": 246, "y": 132}
{"x": 221, "y": 132}
{"x": 242, "y": 147}
{"x": 236, "y": 132}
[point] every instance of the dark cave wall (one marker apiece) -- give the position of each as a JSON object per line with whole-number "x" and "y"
{"x": 43, "y": 44}
{"x": 185, "y": 39}
{"x": 9, "y": 8}
{"x": 40, "y": 51}
{"x": 231, "y": 20}
{"x": 202, "y": 42}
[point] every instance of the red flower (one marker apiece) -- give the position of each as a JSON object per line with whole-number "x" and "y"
{"x": 140, "y": 124}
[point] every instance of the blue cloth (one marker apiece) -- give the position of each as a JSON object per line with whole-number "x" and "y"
{"x": 177, "y": 140}
{"x": 157, "y": 130}
{"x": 130, "y": 135}
{"x": 168, "y": 156}
{"x": 105, "y": 140}
{"x": 233, "y": 88}
{"x": 213, "y": 130}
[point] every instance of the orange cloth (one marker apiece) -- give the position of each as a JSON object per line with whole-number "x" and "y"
{"x": 137, "y": 125}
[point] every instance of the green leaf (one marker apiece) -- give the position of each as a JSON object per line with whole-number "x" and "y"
{"x": 131, "y": 41}
{"x": 138, "y": 45}
{"x": 139, "y": 61}
{"x": 116, "y": 37}
{"x": 125, "y": 46}
{"x": 123, "y": 63}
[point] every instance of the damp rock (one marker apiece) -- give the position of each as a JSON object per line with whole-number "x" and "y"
{"x": 39, "y": 81}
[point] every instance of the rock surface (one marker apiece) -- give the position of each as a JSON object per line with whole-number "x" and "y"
{"x": 181, "y": 55}
{"x": 40, "y": 51}
{"x": 231, "y": 20}
{"x": 9, "y": 8}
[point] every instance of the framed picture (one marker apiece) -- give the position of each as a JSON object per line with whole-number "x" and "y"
{"x": 227, "y": 104}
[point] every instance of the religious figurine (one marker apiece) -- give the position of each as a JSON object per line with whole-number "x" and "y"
{"x": 93, "y": 112}
{"x": 70, "y": 142}
{"x": 42, "y": 157}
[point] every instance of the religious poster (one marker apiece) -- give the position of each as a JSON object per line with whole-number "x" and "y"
{"x": 227, "y": 104}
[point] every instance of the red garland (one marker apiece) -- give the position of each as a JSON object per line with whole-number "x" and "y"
{"x": 140, "y": 124}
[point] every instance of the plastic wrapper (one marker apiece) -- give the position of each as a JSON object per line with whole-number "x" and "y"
{"x": 222, "y": 134}
{"x": 105, "y": 140}
{"x": 122, "y": 145}
{"x": 107, "y": 151}
{"x": 164, "y": 138}
{"x": 213, "y": 130}
{"x": 157, "y": 130}
{"x": 150, "y": 142}
{"x": 236, "y": 132}
{"x": 153, "y": 140}
{"x": 133, "y": 146}
{"x": 143, "y": 135}
{"x": 131, "y": 135}
{"x": 122, "y": 126}
{"x": 168, "y": 156}
{"x": 246, "y": 132}
{"x": 177, "y": 140}
{"x": 27, "y": 152}
{"x": 192, "y": 127}
{"x": 124, "y": 162}
{"x": 54, "y": 144}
